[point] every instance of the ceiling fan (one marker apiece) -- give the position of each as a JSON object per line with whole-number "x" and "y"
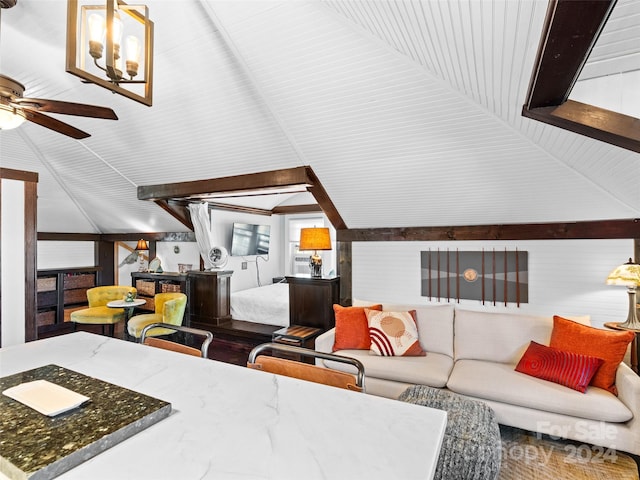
{"x": 13, "y": 103}
{"x": 15, "y": 109}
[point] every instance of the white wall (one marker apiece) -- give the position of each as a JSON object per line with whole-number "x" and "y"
{"x": 57, "y": 254}
{"x": 566, "y": 277}
{"x": 268, "y": 266}
{"x": 618, "y": 92}
{"x": 12, "y": 304}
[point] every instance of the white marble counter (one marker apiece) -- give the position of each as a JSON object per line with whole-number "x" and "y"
{"x": 231, "y": 422}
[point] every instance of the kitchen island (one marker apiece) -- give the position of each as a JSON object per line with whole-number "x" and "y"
{"x": 232, "y": 422}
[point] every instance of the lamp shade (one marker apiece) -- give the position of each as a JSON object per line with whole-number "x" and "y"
{"x": 142, "y": 245}
{"x": 627, "y": 274}
{"x": 315, "y": 239}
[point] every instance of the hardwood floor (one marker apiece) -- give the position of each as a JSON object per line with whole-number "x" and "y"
{"x": 224, "y": 348}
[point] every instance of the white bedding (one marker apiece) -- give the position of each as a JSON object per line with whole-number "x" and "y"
{"x": 268, "y": 304}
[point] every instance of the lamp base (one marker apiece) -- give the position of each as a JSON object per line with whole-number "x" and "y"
{"x": 315, "y": 264}
{"x": 632, "y": 322}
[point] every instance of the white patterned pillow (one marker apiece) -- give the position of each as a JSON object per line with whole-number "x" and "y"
{"x": 394, "y": 333}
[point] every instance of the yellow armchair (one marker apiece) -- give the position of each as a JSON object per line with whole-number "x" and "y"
{"x": 169, "y": 308}
{"x": 98, "y": 312}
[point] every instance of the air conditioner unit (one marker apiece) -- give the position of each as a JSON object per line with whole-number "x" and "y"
{"x": 299, "y": 264}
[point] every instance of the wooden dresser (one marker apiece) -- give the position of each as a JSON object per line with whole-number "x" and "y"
{"x": 311, "y": 300}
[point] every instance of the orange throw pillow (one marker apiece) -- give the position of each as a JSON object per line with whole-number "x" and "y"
{"x": 583, "y": 340}
{"x": 352, "y": 328}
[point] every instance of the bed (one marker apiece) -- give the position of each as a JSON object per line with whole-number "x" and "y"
{"x": 268, "y": 304}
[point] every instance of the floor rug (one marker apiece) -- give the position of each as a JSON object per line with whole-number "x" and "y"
{"x": 528, "y": 456}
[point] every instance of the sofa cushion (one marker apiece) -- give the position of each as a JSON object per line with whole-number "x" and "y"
{"x": 564, "y": 368}
{"x": 432, "y": 370}
{"x": 435, "y": 325}
{"x": 393, "y": 333}
{"x": 499, "y": 337}
{"x": 501, "y": 383}
{"x": 352, "y": 329}
{"x": 609, "y": 345}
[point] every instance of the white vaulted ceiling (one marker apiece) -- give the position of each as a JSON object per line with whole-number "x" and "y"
{"x": 407, "y": 111}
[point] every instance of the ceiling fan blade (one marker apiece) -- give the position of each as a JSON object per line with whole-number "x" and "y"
{"x": 66, "y": 108}
{"x": 53, "y": 124}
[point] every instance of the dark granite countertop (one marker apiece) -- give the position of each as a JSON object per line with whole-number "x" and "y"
{"x": 35, "y": 446}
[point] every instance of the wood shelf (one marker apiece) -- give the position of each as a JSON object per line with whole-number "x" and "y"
{"x": 59, "y": 292}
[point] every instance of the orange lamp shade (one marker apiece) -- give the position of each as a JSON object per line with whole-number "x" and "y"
{"x": 142, "y": 245}
{"x": 315, "y": 239}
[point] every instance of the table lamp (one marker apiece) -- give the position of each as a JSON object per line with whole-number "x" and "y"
{"x": 141, "y": 247}
{"x": 628, "y": 274}
{"x": 315, "y": 239}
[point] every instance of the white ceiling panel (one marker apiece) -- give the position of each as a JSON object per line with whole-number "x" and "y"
{"x": 409, "y": 112}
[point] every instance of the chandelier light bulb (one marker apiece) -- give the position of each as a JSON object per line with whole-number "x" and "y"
{"x": 117, "y": 34}
{"x": 132, "y": 55}
{"x": 96, "y": 35}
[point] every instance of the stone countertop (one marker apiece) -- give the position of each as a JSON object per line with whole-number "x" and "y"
{"x": 231, "y": 422}
{"x": 33, "y": 445}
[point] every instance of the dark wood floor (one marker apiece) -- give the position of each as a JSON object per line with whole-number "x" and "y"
{"x": 228, "y": 345}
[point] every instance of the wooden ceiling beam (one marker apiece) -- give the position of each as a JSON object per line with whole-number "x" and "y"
{"x": 605, "y": 229}
{"x": 237, "y": 183}
{"x": 570, "y": 32}
{"x": 177, "y": 211}
{"x": 591, "y": 121}
{"x": 169, "y": 196}
{"x": 293, "y": 209}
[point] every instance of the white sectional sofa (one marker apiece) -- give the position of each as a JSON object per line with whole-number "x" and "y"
{"x": 475, "y": 353}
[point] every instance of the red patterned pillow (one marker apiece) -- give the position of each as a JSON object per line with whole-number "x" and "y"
{"x": 611, "y": 346}
{"x": 394, "y": 333}
{"x": 565, "y": 368}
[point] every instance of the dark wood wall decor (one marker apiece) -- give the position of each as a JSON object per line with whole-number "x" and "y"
{"x": 490, "y": 276}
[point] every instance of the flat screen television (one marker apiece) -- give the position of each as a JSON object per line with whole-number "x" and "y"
{"x": 249, "y": 239}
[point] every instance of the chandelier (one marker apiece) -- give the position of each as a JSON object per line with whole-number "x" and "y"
{"x": 96, "y": 51}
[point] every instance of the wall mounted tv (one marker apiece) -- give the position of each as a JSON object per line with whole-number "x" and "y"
{"x": 249, "y": 239}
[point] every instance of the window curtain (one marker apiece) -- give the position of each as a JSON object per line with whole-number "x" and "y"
{"x": 202, "y": 228}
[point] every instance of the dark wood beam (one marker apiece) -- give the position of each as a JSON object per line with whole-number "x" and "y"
{"x": 30, "y": 250}
{"x": 345, "y": 270}
{"x": 21, "y": 175}
{"x": 591, "y": 121}
{"x": 168, "y": 196}
{"x": 253, "y": 181}
{"x": 71, "y": 237}
{"x": 177, "y": 211}
{"x": 570, "y": 32}
{"x": 323, "y": 199}
{"x": 104, "y": 257}
{"x": 106, "y": 237}
{"x": 292, "y": 209}
{"x": 239, "y": 208}
{"x": 604, "y": 229}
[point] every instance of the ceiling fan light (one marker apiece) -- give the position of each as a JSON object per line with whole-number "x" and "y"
{"x": 10, "y": 118}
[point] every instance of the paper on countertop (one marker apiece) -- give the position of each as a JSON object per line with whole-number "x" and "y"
{"x": 46, "y": 397}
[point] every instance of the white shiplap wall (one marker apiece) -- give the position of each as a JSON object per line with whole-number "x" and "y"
{"x": 60, "y": 254}
{"x": 566, "y": 277}
{"x": 12, "y": 248}
{"x": 269, "y": 266}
